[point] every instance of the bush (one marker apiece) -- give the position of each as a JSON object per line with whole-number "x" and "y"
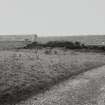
{"x": 66, "y": 45}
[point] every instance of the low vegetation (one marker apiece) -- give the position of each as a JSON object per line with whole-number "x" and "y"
{"x": 23, "y": 74}
{"x": 66, "y": 45}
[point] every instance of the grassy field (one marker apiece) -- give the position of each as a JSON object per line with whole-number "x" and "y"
{"x": 24, "y": 73}
{"x": 86, "y": 39}
{"x": 13, "y": 41}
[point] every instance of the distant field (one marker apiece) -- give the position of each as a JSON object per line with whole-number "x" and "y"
{"x": 23, "y": 73}
{"x": 90, "y": 40}
{"x": 4, "y": 45}
{"x": 12, "y": 41}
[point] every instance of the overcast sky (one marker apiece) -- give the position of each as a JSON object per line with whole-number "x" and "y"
{"x": 52, "y": 17}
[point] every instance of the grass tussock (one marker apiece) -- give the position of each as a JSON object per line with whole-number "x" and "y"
{"x": 23, "y": 75}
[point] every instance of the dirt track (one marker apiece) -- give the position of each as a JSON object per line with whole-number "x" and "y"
{"x": 86, "y": 89}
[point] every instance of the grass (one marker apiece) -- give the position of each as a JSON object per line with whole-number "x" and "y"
{"x": 22, "y": 74}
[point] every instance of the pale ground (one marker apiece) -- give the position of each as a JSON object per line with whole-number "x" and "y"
{"x": 85, "y": 89}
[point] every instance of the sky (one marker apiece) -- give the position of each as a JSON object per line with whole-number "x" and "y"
{"x": 52, "y": 17}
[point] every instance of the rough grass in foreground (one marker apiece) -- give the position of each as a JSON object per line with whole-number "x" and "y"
{"x": 23, "y": 75}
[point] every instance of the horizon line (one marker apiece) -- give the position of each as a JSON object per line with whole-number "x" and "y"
{"x": 50, "y": 35}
